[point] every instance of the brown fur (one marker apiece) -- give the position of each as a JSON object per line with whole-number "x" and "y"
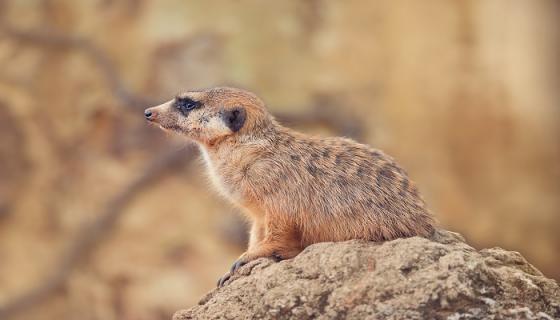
{"x": 296, "y": 189}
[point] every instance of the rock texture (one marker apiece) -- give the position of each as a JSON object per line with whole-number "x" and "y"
{"x": 414, "y": 278}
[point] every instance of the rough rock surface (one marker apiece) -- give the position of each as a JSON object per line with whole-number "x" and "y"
{"x": 414, "y": 278}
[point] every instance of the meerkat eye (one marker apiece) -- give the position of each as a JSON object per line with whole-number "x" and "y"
{"x": 185, "y": 105}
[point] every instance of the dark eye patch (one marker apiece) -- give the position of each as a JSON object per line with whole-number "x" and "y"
{"x": 185, "y": 105}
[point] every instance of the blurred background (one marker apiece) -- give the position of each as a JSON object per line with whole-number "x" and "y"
{"x": 105, "y": 217}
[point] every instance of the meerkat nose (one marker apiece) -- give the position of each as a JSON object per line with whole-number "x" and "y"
{"x": 148, "y": 114}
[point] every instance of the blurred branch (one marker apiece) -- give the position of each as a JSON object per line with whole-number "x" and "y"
{"x": 89, "y": 234}
{"x": 105, "y": 65}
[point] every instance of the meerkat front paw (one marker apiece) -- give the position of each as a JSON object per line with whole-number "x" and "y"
{"x": 275, "y": 253}
{"x": 241, "y": 261}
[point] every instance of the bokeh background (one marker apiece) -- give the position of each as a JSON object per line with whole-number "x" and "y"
{"x": 105, "y": 217}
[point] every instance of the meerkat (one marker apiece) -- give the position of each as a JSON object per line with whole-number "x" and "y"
{"x": 295, "y": 189}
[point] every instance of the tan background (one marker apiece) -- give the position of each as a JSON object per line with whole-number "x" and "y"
{"x": 465, "y": 94}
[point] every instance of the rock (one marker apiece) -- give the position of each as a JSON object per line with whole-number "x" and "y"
{"x": 413, "y": 278}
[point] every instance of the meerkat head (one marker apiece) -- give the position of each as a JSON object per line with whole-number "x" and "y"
{"x": 209, "y": 116}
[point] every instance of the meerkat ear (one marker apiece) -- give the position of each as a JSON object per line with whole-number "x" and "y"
{"x": 235, "y": 118}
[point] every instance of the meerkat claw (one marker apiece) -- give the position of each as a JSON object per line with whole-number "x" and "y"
{"x": 223, "y": 280}
{"x": 237, "y": 264}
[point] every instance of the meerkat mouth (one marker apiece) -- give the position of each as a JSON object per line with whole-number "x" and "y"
{"x": 172, "y": 128}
